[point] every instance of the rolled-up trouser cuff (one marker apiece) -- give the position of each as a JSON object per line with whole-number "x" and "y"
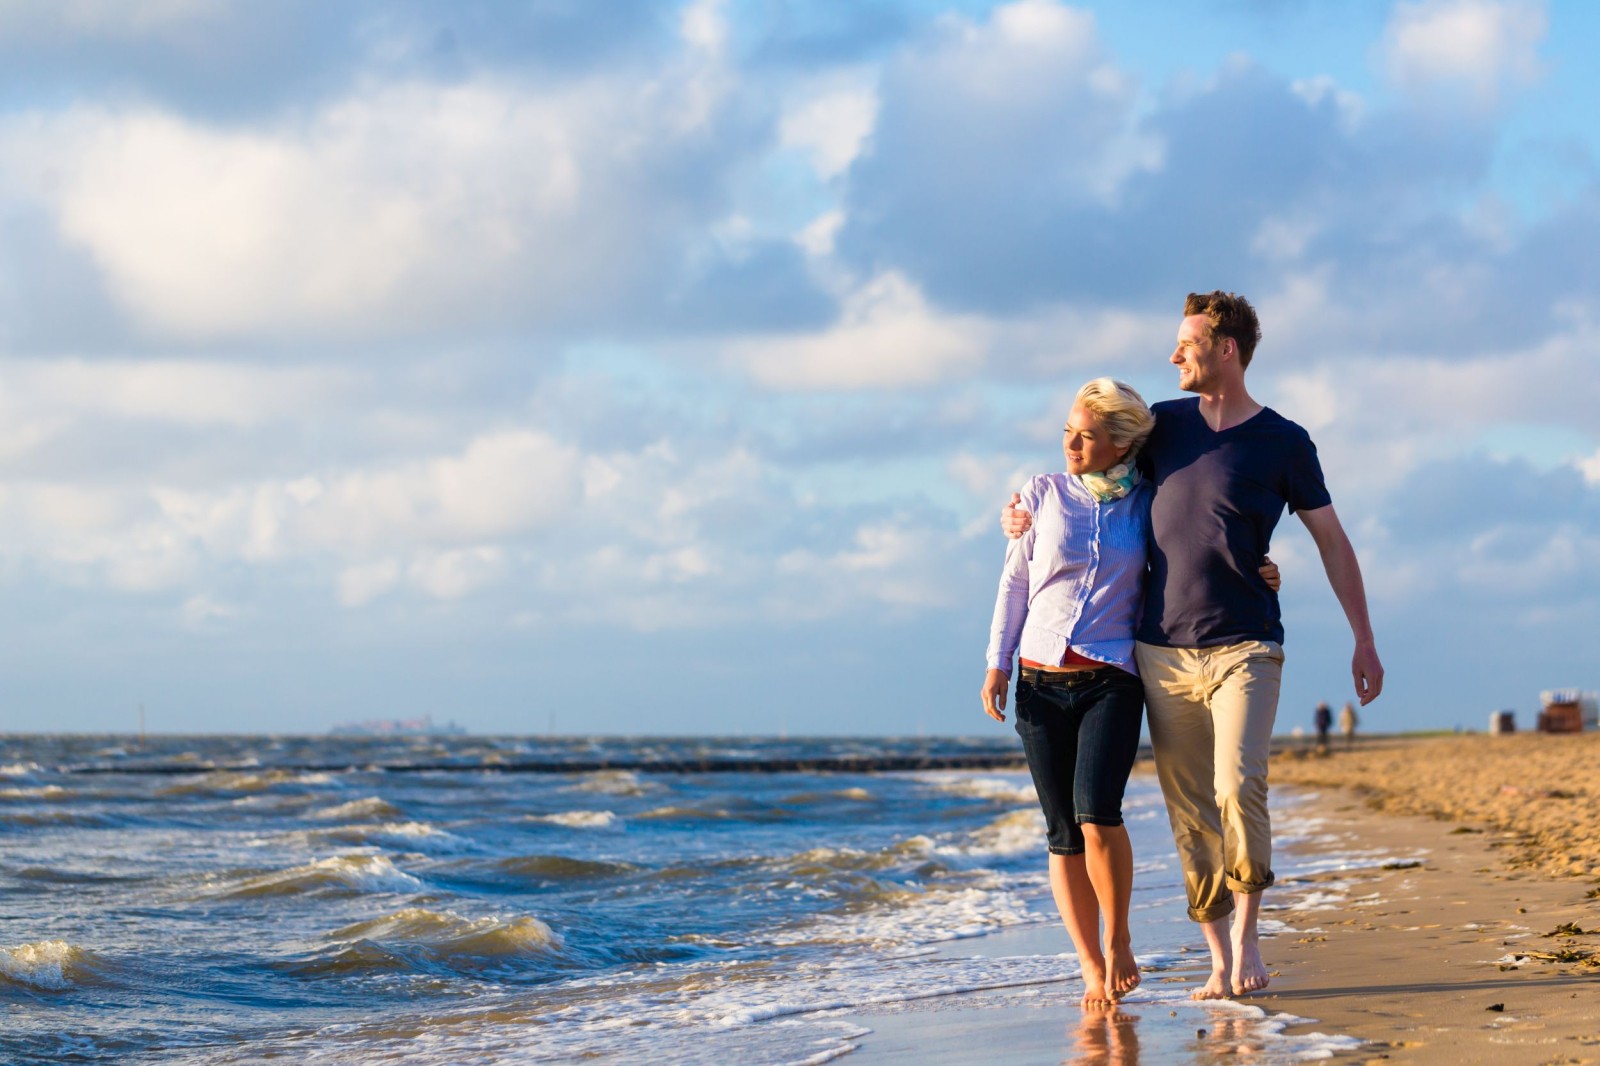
{"x": 1212, "y": 911}
{"x": 1246, "y": 888}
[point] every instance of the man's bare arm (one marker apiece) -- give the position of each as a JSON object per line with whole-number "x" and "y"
{"x": 1344, "y": 574}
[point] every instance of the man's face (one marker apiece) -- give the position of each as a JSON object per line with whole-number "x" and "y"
{"x": 1197, "y": 355}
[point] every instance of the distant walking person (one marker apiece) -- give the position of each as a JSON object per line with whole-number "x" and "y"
{"x": 1210, "y": 645}
{"x": 1348, "y": 720}
{"x": 1323, "y": 720}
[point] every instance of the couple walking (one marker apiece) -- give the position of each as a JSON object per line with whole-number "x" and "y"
{"x": 1139, "y": 577}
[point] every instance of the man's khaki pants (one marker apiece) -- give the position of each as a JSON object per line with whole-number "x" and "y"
{"x": 1211, "y": 712}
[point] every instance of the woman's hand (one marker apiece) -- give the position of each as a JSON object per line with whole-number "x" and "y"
{"x": 1269, "y": 574}
{"x": 994, "y": 694}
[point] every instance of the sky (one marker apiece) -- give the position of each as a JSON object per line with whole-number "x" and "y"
{"x": 661, "y": 368}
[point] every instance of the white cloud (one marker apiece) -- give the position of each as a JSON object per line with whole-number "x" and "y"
{"x": 1591, "y": 468}
{"x": 1519, "y": 562}
{"x": 363, "y": 582}
{"x": 408, "y": 207}
{"x": 896, "y": 565}
{"x": 186, "y": 392}
{"x": 431, "y": 521}
{"x": 1031, "y": 88}
{"x": 202, "y": 611}
{"x": 704, "y": 25}
{"x": 887, "y": 337}
{"x": 106, "y": 18}
{"x": 503, "y": 484}
{"x": 1485, "y": 47}
{"x": 818, "y": 236}
{"x": 830, "y": 124}
{"x": 450, "y": 575}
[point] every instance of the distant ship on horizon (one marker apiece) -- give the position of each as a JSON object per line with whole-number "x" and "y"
{"x": 393, "y": 727}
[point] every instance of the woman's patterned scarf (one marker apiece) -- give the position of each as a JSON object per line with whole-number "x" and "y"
{"x": 1112, "y": 484}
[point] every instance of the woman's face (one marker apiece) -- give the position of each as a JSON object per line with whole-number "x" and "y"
{"x": 1086, "y": 443}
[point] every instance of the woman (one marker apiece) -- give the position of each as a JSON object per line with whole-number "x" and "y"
{"x": 1069, "y": 601}
{"x": 1068, "y": 604}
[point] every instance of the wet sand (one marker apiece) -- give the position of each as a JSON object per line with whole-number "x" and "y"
{"x": 1456, "y": 942}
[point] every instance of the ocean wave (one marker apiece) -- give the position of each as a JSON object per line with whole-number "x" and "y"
{"x": 448, "y": 933}
{"x": 852, "y": 795}
{"x": 1012, "y": 833}
{"x": 367, "y": 808}
{"x": 51, "y": 965}
{"x": 52, "y": 876}
{"x": 241, "y": 781}
{"x": 678, "y": 812}
{"x": 20, "y": 769}
{"x": 352, "y": 874}
{"x": 64, "y": 816}
{"x": 43, "y": 792}
{"x": 613, "y": 783}
{"x": 999, "y": 789}
{"x": 398, "y": 836}
{"x": 420, "y": 940}
{"x": 579, "y": 819}
{"x": 548, "y": 868}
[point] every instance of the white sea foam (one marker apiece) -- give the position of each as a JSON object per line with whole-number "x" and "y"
{"x": 1016, "y": 789}
{"x": 925, "y": 916}
{"x": 400, "y": 836}
{"x": 448, "y": 933}
{"x": 1012, "y": 833}
{"x": 580, "y": 819}
{"x": 46, "y": 964}
{"x": 366, "y": 808}
{"x": 349, "y": 873}
{"x": 613, "y": 782}
{"x": 44, "y": 792}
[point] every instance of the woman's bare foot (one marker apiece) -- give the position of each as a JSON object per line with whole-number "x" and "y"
{"x": 1094, "y": 987}
{"x": 1216, "y": 988}
{"x": 1249, "y": 972}
{"x": 1123, "y": 976}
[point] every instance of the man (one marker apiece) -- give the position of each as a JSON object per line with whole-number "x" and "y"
{"x": 1322, "y": 718}
{"x": 1210, "y": 644}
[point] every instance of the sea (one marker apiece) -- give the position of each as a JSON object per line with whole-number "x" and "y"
{"x": 457, "y": 899}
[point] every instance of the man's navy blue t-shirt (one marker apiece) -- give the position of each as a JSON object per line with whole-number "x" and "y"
{"x": 1218, "y": 498}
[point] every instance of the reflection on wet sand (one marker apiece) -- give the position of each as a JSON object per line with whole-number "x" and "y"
{"x": 1108, "y": 1037}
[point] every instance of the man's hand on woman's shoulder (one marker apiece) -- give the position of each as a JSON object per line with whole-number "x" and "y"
{"x": 1013, "y": 520}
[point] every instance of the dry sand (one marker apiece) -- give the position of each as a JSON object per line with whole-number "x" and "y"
{"x": 1465, "y": 949}
{"x": 1474, "y": 955}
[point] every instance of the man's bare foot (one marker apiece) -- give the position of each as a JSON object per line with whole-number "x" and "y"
{"x": 1221, "y": 947}
{"x": 1094, "y": 987}
{"x": 1249, "y": 972}
{"x": 1124, "y": 972}
{"x": 1216, "y": 988}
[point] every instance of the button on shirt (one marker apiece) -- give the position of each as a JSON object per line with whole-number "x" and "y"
{"x": 1074, "y": 579}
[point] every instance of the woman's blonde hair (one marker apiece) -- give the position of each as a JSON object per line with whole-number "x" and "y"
{"x": 1125, "y": 414}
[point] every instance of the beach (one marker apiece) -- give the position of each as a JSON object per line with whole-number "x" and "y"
{"x": 1453, "y": 960}
{"x": 1433, "y": 945}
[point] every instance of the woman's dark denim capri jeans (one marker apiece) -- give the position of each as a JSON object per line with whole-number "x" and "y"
{"x": 1080, "y": 730}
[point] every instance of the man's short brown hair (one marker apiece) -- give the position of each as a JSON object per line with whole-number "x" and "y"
{"x": 1230, "y": 315}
